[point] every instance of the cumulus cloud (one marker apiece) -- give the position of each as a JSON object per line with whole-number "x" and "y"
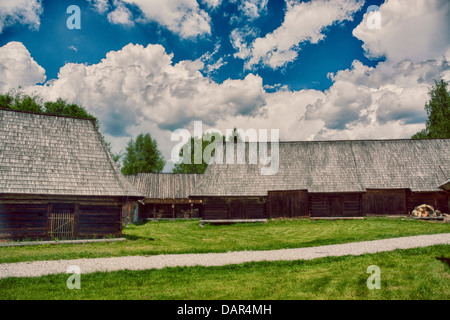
{"x": 252, "y": 9}
{"x": 101, "y": 6}
{"x": 183, "y": 17}
{"x": 18, "y": 68}
{"x": 212, "y": 4}
{"x": 304, "y": 22}
{"x": 143, "y": 82}
{"x": 26, "y": 12}
{"x": 388, "y": 93}
{"x": 344, "y": 103}
{"x": 239, "y": 40}
{"x": 121, "y": 15}
{"x": 402, "y": 105}
{"x": 410, "y": 29}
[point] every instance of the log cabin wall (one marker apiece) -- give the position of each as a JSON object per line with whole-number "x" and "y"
{"x": 297, "y": 204}
{"x": 99, "y": 221}
{"x": 335, "y": 204}
{"x": 385, "y": 202}
{"x": 234, "y": 208}
{"x": 288, "y": 204}
{"x": 24, "y": 218}
{"x": 23, "y": 221}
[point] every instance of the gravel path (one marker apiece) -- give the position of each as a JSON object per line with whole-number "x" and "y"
{"x": 40, "y": 268}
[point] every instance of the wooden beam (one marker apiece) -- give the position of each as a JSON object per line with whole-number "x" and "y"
{"x": 76, "y": 220}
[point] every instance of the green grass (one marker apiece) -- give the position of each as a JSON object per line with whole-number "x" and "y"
{"x": 169, "y": 237}
{"x": 405, "y": 274}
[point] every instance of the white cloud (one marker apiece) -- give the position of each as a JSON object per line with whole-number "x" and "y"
{"x": 416, "y": 30}
{"x": 121, "y": 15}
{"x": 101, "y": 6}
{"x": 142, "y": 82}
{"x": 344, "y": 103}
{"x": 183, "y": 17}
{"x": 212, "y": 4}
{"x": 252, "y": 9}
{"x": 18, "y": 68}
{"x": 25, "y": 12}
{"x": 303, "y": 22}
{"x": 210, "y": 62}
{"x": 239, "y": 40}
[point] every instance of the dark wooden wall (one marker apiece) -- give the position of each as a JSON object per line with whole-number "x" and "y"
{"x": 99, "y": 221}
{"x": 29, "y": 218}
{"x": 335, "y": 205}
{"x": 385, "y": 202}
{"x": 288, "y": 204}
{"x": 23, "y": 221}
{"x": 234, "y": 208}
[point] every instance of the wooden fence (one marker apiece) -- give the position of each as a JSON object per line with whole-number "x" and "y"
{"x": 62, "y": 225}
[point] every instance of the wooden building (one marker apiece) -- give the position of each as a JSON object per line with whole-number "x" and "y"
{"x": 166, "y": 196}
{"x": 57, "y": 179}
{"x": 331, "y": 179}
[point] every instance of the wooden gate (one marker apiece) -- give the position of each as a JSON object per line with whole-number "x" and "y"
{"x": 62, "y": 224}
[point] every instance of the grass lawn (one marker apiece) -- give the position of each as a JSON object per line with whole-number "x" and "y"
{"x": 405, "y": 274}
{"x": 168, "y": 237}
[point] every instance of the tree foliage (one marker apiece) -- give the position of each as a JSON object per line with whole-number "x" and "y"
{"x": 17, "y": 100}
{"x": 438, "y": 111}
{"x": 63, "y": 108}
{"x": 142, "y": 155}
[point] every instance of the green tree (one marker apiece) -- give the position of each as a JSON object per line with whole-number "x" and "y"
{"x": 18, "y": 100}
{"x": 142, "y": 155}
{"x": 61, "y": 107}
{"x": 438, "y": 111}
{"x": 207, "y": 139}
{"x": 235, "y": 136}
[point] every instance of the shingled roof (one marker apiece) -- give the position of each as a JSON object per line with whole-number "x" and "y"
{"x": 55, "y": 155}
{"x": 336, "y": 166}
{"x": 164, "y": 185}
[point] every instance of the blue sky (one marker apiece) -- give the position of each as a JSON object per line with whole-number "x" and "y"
{"x": 54, "y": 45}
{"x": 315, "y": 70}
